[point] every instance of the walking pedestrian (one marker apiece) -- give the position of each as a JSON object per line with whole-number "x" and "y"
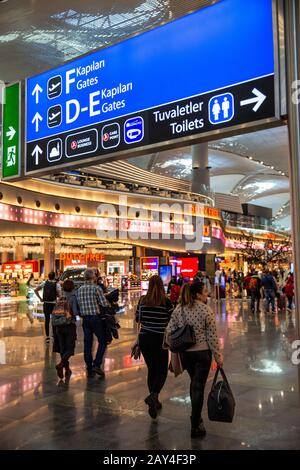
{"x": 91, "y": 301}
{"x": 171, "y": 283}
{"x": 153, "y": 314}
{"x": 51, "y": 292}
{"x": 246, "y": 283}
{"x": 255, "y": 288}
{"x": 64, "y": 319}
{"x": 192, "y": 310}
{"x": 175, "y": 293}
{"x": 180, "y": 280}
{"x": 289, "y": 291}
{"x": 270, "y": 289}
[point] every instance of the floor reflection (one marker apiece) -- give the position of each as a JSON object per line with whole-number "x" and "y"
{"x": 37, "y": 411}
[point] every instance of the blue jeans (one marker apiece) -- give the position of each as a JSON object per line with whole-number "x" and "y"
{"x": 93, "y": 325}
{"x": 270, "y": 299}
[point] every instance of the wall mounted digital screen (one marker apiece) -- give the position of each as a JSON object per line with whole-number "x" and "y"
{"x": 165, "y": 272}
{"x": 200, "y": 74}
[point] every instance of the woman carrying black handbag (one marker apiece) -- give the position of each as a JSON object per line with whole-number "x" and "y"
{"x": 192, "y": 310}
{"x": 153, "y": 313}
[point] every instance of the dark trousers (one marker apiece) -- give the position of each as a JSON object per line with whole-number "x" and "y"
{"x": 197, "y": 363}
{"x": 255, "y": 298}
{"x": 93, "y": 325}
{"x": 156, "y": 358}
{"x": 47, "y": 309}
{"x": 290, "y": 301}
{"x": 270, "y": 299}
{"x": 66, "y": 335}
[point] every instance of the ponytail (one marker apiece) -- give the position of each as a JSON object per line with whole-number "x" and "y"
{"x": 189, "y": 293}
{"x": 185, "y": 295}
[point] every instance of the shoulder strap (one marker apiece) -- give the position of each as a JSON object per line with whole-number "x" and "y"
{"x": 215, "y": 377}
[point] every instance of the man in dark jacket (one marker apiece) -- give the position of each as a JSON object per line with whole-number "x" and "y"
{"x": 270, "y": 288}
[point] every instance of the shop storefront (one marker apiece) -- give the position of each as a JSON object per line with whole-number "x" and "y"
{"x": 14, "y": 276}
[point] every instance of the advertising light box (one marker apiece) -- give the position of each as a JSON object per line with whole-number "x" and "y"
{"x": 199, "y": 75}
{"x": 149, "y": 264}
{"x": 188, "y": 267}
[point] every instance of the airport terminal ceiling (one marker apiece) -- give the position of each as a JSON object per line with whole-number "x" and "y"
{"x": 254, "y": 166}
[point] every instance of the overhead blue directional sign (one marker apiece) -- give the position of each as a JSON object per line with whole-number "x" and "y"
{"x": 209, "y": 71}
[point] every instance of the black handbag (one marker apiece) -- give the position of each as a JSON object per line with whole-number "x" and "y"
{"x": 182, "y": 338}
{"x": 136, "y": 349}
{"x": 221, "y": 402}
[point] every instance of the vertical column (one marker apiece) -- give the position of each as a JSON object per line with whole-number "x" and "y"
{"x": 19, "y": 252}
{"x": 4, "y": 257}
{"x": 140, "y": 252}
{"x": 292, "y": 27}
{"x": 49, "y": 255}
{"x": 200, "y": 173}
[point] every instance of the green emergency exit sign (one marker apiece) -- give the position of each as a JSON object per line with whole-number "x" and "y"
{"x": 11, "y": 130}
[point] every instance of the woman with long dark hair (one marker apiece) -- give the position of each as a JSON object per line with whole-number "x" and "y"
{"x": 65, "y": 329}
{"x": 153, "y": 313}
{"x": 192, "y": 310}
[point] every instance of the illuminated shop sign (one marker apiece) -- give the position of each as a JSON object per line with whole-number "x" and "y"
{"x": 195, "y": 75}
{"x": 116, "y": 267}
{"x": 114, "y": 226}
{"x": 188, "y": 267}
{"x": 242, "y": 245}
{"x": 149, "y": 264}
{"x": 24, "y": 266}
{"x": 83, "y": 258}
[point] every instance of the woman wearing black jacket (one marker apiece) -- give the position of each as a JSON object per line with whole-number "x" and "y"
{"x": 153, "y": 313}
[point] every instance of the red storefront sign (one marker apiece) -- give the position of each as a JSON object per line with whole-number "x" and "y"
{"x": 188, "y": 267}
{"x": 31, "y": 266}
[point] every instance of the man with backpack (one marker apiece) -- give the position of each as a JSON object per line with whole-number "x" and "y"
{"x": 255, "y": 287}
{"x": 51, "y": 292}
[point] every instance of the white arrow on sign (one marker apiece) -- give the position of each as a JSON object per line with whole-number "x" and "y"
{"x": 258, "y": 100}
{"x": 37, "y": 89}
{"x": 11, "y": 133}
{"x": 35, "y": 120}
{"x": 36, "y": 152}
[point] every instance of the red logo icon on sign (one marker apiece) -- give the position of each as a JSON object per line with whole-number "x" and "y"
{"x": 74, "y": 145}
{"x": 105, "y": 137}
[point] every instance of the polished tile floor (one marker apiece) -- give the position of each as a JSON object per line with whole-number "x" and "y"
{"x": 39, "y": 412}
